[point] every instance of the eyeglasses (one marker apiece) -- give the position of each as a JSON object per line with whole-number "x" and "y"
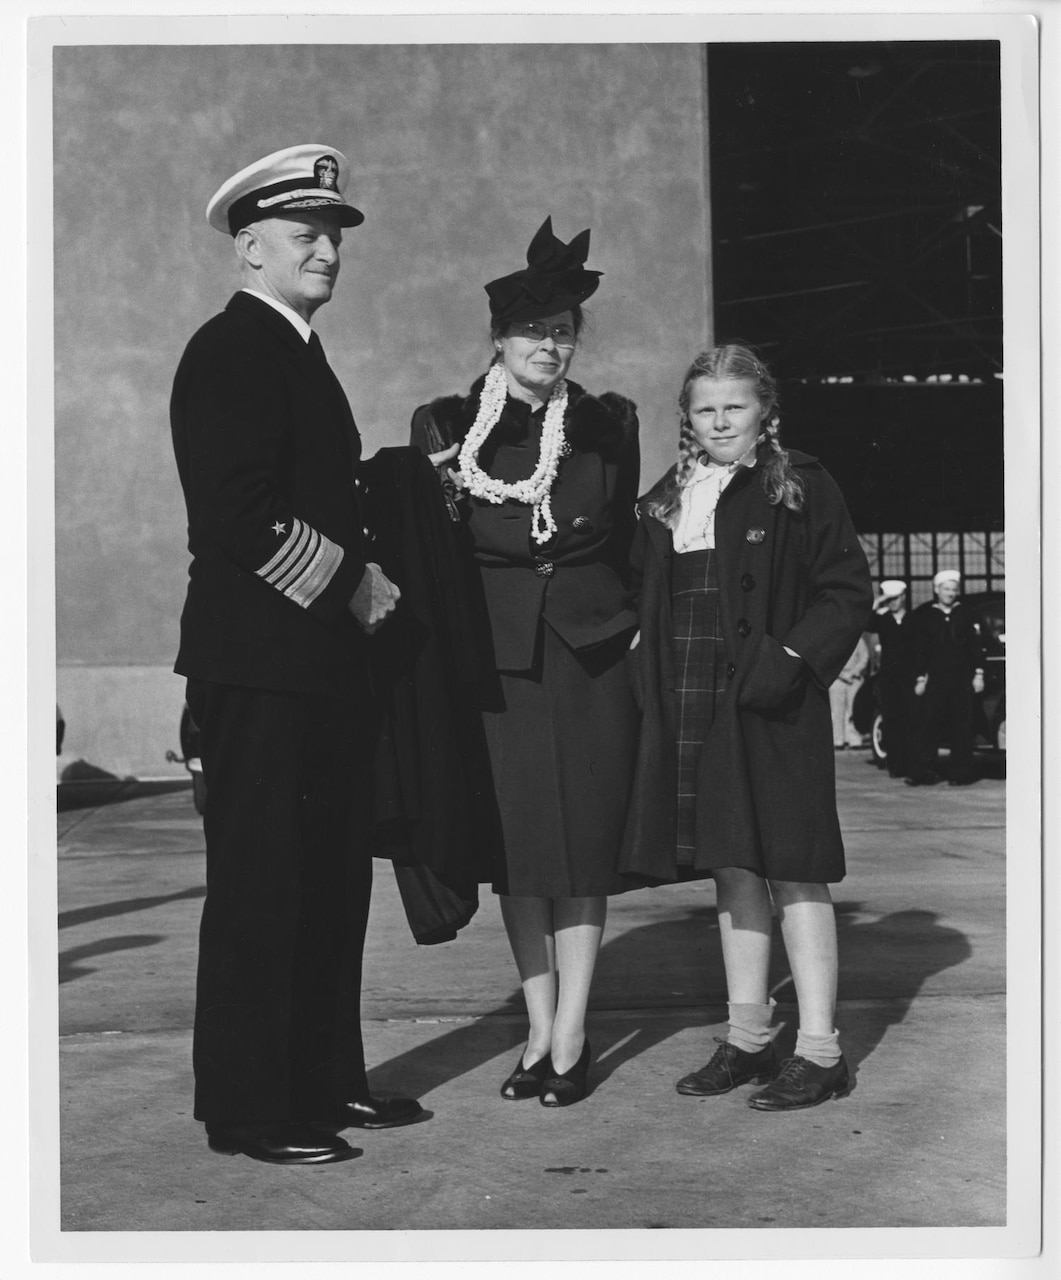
{"x": 537, "y": 331}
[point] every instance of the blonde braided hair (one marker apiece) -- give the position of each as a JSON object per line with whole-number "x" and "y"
{"x": 780, "y": 482}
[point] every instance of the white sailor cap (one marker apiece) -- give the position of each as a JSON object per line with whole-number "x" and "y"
{"x": 309, "y": 176}
{"x": 891, "y": 587}
{"x": 946, "y": 575}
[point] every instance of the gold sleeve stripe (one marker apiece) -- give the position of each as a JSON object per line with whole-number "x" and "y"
{"x": 318, "y": 573}
{"x": 304, "y": 565}
{"x": 290, "y": 571}
{"x": 296, "y": 539}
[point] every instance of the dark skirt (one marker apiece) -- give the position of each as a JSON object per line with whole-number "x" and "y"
{"x": 562, "y": 751}
{"x": 700, "y": 674}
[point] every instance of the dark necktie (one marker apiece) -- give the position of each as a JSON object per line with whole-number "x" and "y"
{"x": 317, "y": 350}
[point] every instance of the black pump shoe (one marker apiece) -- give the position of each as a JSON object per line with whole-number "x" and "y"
{"x": 567, "y": 1086}
{"x": 526, "y": 1082}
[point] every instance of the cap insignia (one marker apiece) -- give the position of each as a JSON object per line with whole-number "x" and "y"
{"x": 326, "y": 171}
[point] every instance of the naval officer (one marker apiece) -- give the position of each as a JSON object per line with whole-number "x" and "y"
{"x": 280, "y": 600}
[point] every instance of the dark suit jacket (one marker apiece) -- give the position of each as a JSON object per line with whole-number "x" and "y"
{"x": 584, "y": 594}
{"x": 266, "y": 448}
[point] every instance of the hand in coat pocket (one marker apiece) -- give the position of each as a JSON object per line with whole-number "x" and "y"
{"x": 775, "y": 678}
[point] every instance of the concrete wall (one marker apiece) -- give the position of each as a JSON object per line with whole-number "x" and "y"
{"x": 457, "y": 154}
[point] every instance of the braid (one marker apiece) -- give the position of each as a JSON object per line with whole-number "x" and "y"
{"x": 780, "y": 481}
{"x": 665, "y": 507}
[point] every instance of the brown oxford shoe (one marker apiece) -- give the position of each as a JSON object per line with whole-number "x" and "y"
{"x": 802, "y": 1083}
{"x": 728, "y": 1068}
{"x": 377, "y": 1113}
{"x": 287, "y": 1143}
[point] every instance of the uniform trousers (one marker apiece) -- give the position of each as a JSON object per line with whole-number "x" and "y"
{"x": 277, "y": 1032}
{"x": 842, "y": 705}
{"x": 894, "y": 693}
{"x": 946, "y": 707}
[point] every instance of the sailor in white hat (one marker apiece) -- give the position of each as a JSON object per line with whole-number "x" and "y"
{"x": 893, "y": 675}
{"x": 280, "y": 597}
{"x": 890, "y": 589}
{"x": 948, "y": 671}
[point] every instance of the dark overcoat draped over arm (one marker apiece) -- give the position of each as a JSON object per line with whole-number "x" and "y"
{"x": 266, "y": 449}
{"x": 435, "y": 813}
{"x": 766, "y": 783}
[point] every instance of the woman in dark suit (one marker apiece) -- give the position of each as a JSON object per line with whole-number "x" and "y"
{"x": 753, "y": 592}
{"x": 547, "y": 478}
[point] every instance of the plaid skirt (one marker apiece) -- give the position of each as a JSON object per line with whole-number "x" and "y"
{"x": 700, "y": 670}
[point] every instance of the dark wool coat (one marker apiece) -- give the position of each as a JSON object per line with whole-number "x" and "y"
{"x": 577, "y": 582}
{"x": 766, "y": 789}
{"x": 266, "y": 448}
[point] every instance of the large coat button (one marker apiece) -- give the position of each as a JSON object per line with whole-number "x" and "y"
{"x": 744, "y": 628}
{"x": 731, "y": 670}
{"x": 747, "y": 582}
{"x": 581, "y": 524}
{"x": 544, "y": 568}
{"x": 755, "y": 535}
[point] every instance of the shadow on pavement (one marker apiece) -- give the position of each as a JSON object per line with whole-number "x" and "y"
{"x": 883, "y": 965}
{"x": 70, "y": 962}
{"x": 85, "y": 786}
{"x": 85, "y": 915}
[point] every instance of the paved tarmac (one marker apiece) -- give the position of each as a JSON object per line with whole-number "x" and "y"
{"x": 921, "y": 917}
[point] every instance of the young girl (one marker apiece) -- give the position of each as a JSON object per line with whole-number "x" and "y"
{"x": 753, "y": 591}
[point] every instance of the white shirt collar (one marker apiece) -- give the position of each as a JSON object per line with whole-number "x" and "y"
{"x": 303, "y": 328}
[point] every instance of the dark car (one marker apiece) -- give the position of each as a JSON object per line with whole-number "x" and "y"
{"x": 989, "y": 707}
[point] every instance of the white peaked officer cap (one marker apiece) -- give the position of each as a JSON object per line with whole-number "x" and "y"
{"x": 309, "y": 176}
{"x": 946, "y": 575}
{"x": 892, "y": 587}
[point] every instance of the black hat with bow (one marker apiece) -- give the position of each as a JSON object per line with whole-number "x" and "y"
{"x": 553, "y": 280}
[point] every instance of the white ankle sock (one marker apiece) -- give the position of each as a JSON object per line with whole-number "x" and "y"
{"x": 823, "y": 1051}
{"x": 749, "y": 1026}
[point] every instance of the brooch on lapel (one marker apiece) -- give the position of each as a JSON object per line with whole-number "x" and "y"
{"x": 755, "y": 535}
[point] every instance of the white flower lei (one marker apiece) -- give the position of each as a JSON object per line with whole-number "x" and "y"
{"x": 536, "y": 490}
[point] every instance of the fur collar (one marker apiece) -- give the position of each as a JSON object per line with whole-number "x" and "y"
{"x": 595, "y": 424}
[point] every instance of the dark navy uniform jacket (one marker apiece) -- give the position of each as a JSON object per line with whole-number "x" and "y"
{"x": 266, "y": 448}
{"x": 945, "y": 643}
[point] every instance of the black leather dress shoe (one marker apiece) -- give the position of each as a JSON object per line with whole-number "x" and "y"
{"x": 289, "y": 1143}
{"x": 802, "y": 1083}
{"x": 728, "y": 1068}
{"x": 377, "y": 1113}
